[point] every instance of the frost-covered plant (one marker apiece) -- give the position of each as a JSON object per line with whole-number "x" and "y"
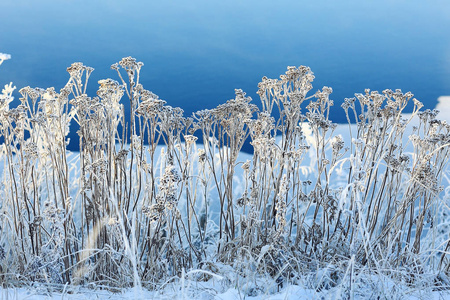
{"x": 142, "y": 202}
{"x": 224, "y": 131}
{"x": 3, "y": 57}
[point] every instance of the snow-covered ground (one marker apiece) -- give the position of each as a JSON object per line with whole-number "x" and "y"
{"x": 207, "y": 291}
{"x": 174, "y": 292}
{"x": 213, "y": 289}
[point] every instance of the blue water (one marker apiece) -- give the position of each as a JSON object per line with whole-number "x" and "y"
{"x": 197, "y": 52}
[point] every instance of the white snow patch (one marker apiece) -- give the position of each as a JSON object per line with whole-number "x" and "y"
{"x": 443, "y": 106}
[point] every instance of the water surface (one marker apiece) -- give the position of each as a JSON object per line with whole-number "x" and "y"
{"x": 197, "y": 52}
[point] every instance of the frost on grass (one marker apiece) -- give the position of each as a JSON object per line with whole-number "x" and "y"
{"x": 143, "y": 202}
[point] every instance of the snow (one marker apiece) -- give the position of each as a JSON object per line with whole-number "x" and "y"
{"x": 198, "y": 291}
{"x": 444, "y": 108}
{"x": 290, "y": 292}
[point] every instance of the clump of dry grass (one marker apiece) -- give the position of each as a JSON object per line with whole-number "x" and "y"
{"x": 124, "y": 211}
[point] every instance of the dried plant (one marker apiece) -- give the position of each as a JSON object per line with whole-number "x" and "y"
{"x": 143, "y": 201}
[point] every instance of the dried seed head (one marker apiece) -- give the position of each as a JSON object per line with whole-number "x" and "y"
{"x": 190, "y": 139}
{"x": 75, "y": 68}
{"x": 201, "y": 155}
{"x": 31, "y": 151}
{"x": 337, "y": 144}
{"x": 128, "y": 63}
{"x": 246, "y": 165}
